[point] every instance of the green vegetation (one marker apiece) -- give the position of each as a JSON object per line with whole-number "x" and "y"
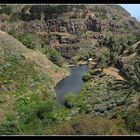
{"x": 53, "y": 55}
{"x": 31, "y": 105}
{"x": 14, "y": 70}
{"x": 24, "y": 85}
{"x": 88, "y": 125}
{"x": 85, "y": 55}
{"x": 44, "y": 12}
{"x": 27, "y": 102}
{"x": 6, "y": 9}
{"x": 37, "y": 116}
{"x": 103, "y": 61}
{"x": 86, "y": 76}
{"x": 105, "y": 105}
{"x": 131, "y": 84}
{"x": 132, "y": 121}
{"x": 8, "y": 128}
{"x": 117, "y": 47}
{"x": 15, "y": 17}
{"x": 30, "y": 40}
{"x": 70, "y": 100}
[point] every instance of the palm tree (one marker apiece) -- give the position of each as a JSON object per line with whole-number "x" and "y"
{"x": 102, "y": 61}
{"x": 131, "y": 84}
{"x": 113, "y": 43}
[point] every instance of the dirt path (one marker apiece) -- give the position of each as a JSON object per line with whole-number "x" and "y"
{"x": 114, "y": 72}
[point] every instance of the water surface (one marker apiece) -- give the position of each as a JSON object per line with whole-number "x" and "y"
{"x": 71, "y": 84}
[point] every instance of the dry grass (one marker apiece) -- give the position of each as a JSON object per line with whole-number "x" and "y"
{"x": 46, "y": 66}
{"x": 114, "y": 72}
{"x": 10, "y": 44}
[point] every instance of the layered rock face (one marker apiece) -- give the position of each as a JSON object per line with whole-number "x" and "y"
{"x": 74, "y": 26}
{"x": 70, "y": 28}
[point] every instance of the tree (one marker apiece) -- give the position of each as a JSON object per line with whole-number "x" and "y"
{"x": 137, "y": 34}
{"x": 6, "y": 9}
{"x": 15, "y": 17}
{"x": 70, "y": 100}
{"x": 138, "y": 49}
{"x": 131, "y": 85}
{"x": 14, "y": 33}
{"x": 35, "y": 11}
{"x": 9, "y": 128}
{"x": 53, "y": 55}
{"x": 113, "y": 44}
{"x": 30, "y": 40}
{"x": 117, "y": 45}
{"x": 86, "y": 76}
{"x": 103, "y": 61}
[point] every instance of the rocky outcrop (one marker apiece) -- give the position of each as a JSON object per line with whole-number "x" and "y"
{"x": 53, "y": 25}
{"x": 68, "y": 51}
{"x": 67, "y": 30}
{"x": 67, "y": 40}
{"x": 94, "y": 25}
{"x": 75, "y": 26}
{"x": 115, "y": 19}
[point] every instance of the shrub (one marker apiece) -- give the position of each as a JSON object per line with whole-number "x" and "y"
{"x": 138, "y": 49}
{"x": 9, "y": 128}
{"x": 15, "y": 17}
{"x": 30, "y": 40}
{"x": 40, "y": 110}
{"x": 6, "y": 9}
{"x": 130, "y": 50}
{"x": 83, "y": 105}
{"x": 70, "y": 100}
{"x": 86, "y": 77}
{"x": 14, "y": 33}
{"x": 132, "y": 120}
{"x": 61, "y": 114}
{"x": 103, "y": 61}
{"x": 87, "y": 125}
{"x": 53, "y": 55}
{"x": 36, "y": 116}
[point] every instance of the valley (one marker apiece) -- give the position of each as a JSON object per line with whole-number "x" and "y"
{"x": 69, "y": 70}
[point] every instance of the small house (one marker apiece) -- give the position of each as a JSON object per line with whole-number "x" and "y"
{"x": 90, "y": 59}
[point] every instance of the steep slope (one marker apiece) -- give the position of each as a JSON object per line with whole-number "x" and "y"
{"x": 10, "y": 45}
{"x": 24, "y": 73}
{"x": 46, "y": 66}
